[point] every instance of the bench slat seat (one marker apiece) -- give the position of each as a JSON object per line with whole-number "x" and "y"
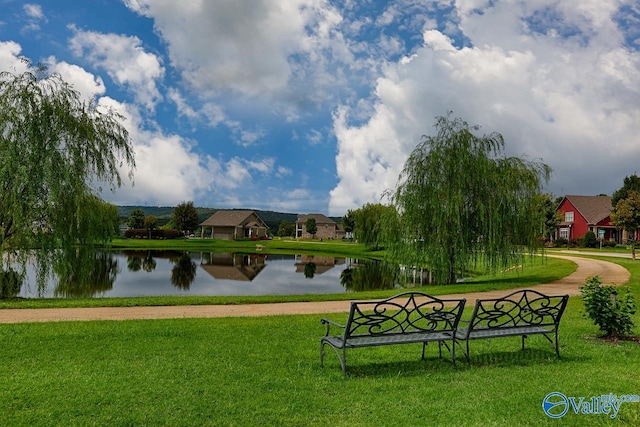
{"x": 504, "y": 332}
{"x": 370, "y": 341}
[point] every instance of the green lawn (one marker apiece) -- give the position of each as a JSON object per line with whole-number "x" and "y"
{"x": 266, "y": 371}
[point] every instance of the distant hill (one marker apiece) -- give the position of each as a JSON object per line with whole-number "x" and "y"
{"x": 165, "y": 213}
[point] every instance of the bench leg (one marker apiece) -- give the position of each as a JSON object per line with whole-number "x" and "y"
{"x": 424, "y": 346}
{"x": 342, "y": 359}
{"x": 523, "y": 337}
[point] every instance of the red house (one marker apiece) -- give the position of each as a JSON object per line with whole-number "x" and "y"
{"x": 587, "y": 213}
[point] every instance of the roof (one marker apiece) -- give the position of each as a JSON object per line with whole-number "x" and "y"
{"x": 592, "y": 208}
{"x": 320, "y": 218}
{"x": 230, "y": 218}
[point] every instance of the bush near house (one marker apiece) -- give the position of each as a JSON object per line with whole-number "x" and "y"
{"x": 143, "y": 233}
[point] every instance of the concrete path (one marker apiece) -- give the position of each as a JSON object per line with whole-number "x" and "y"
{"x": 608, "y": 271}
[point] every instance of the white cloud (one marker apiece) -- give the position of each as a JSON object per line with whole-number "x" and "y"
{"x": 570, "y": 100}
{"x": 10, "y": 57}
{"x": 283, "y": 52}
{"x": 124, "y": 59}
{"x": 34, "y": 16}
{"x": 33, "y": 11}
{"x": 167, "y": 170}
{"x": 84, "y": 82}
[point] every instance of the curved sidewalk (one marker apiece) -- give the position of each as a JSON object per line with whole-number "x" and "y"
{"x": 608, "y": 271}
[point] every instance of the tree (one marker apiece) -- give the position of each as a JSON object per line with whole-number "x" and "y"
{"x": 462, "y": 204}
{"x": 626, "y": 215}
{"x": 311, "y": 226}
{"x": 150, "y": 223}
{"x": 630, "y": 183}
{"x": 369, "y": 222}
{"x": 286, "y": 229}
{"x": 57, "y": 151}
{"x": 136, "y": 218}
{"x": 552, "y": 218}
{"x": 185, "y": 217}
{"x": 348, "y": 222}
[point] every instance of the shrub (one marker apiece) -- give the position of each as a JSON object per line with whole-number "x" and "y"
{"x": 609, "y": 307}
{"x": 143, "y": 233}
{"x": 590, "y": 240}
{"x": 561, "y": 241}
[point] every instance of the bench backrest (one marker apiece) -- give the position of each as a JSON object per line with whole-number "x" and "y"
{"x": 520, "y": 308}
{"x": 410, "y": 312}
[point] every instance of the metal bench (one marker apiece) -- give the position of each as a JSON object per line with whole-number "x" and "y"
{"x": 521, "y": 313}
{"x": 411, "y": 317}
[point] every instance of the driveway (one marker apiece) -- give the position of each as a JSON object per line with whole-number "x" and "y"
{"x": 608, "y": 271}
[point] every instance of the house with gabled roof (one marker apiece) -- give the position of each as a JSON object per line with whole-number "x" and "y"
{"x": 234, "y": 224}
{"x": 581, "y": 214}
{"x": 327, "y": 228}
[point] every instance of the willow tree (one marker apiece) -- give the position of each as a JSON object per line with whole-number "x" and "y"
{"x": 57, "y": 150}
{"x": 463, "y": 205}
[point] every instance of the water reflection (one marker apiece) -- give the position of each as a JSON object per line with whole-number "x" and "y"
{"x": 10, "y": 283}
{"x": 85, "y": 273}
{"x": 150, "y": 273}
{"x": 183, "y": 272}
{"x": 232, "y": 266}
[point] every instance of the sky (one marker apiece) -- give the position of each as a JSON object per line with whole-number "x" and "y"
{"x": 313, "y": 106}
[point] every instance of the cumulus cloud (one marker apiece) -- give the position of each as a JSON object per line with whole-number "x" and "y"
{"x": 89, "y": 85}
{"x": 169, "y": 170}
{"x": 284, "y": 52}
{"x": 561, "y": 90}
{"x": 124, "y": 59}
{"x": 10, "y": 57}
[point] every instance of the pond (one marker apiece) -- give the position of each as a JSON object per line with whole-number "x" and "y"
{"x": 157, "y": 273}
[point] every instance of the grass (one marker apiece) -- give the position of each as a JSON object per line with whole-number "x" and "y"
{"x": 265, "y": 371}
{"x": 537, "y": 270}
{"x": 275, "y": 246}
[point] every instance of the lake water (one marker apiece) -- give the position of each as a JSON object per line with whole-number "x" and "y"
{"x": 155, "y": 273}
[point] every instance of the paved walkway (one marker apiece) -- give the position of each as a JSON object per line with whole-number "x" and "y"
{"x": 608, "y": 271}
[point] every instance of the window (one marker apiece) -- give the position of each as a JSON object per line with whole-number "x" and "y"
{"x": 564, "y": 233}
{"x": 568, "y": 216}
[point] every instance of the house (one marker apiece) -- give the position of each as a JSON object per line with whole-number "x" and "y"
{"x": 235, "y": 224}
{"x": 327, "y": 228}
{"x": 581, "y": 214}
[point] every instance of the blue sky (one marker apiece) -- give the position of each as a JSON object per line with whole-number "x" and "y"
{"x": 314, "y": 105}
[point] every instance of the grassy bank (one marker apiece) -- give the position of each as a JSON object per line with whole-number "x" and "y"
{"x": 275, "y": 246}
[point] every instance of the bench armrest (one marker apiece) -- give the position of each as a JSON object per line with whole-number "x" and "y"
{"x": 329, "y": 323}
